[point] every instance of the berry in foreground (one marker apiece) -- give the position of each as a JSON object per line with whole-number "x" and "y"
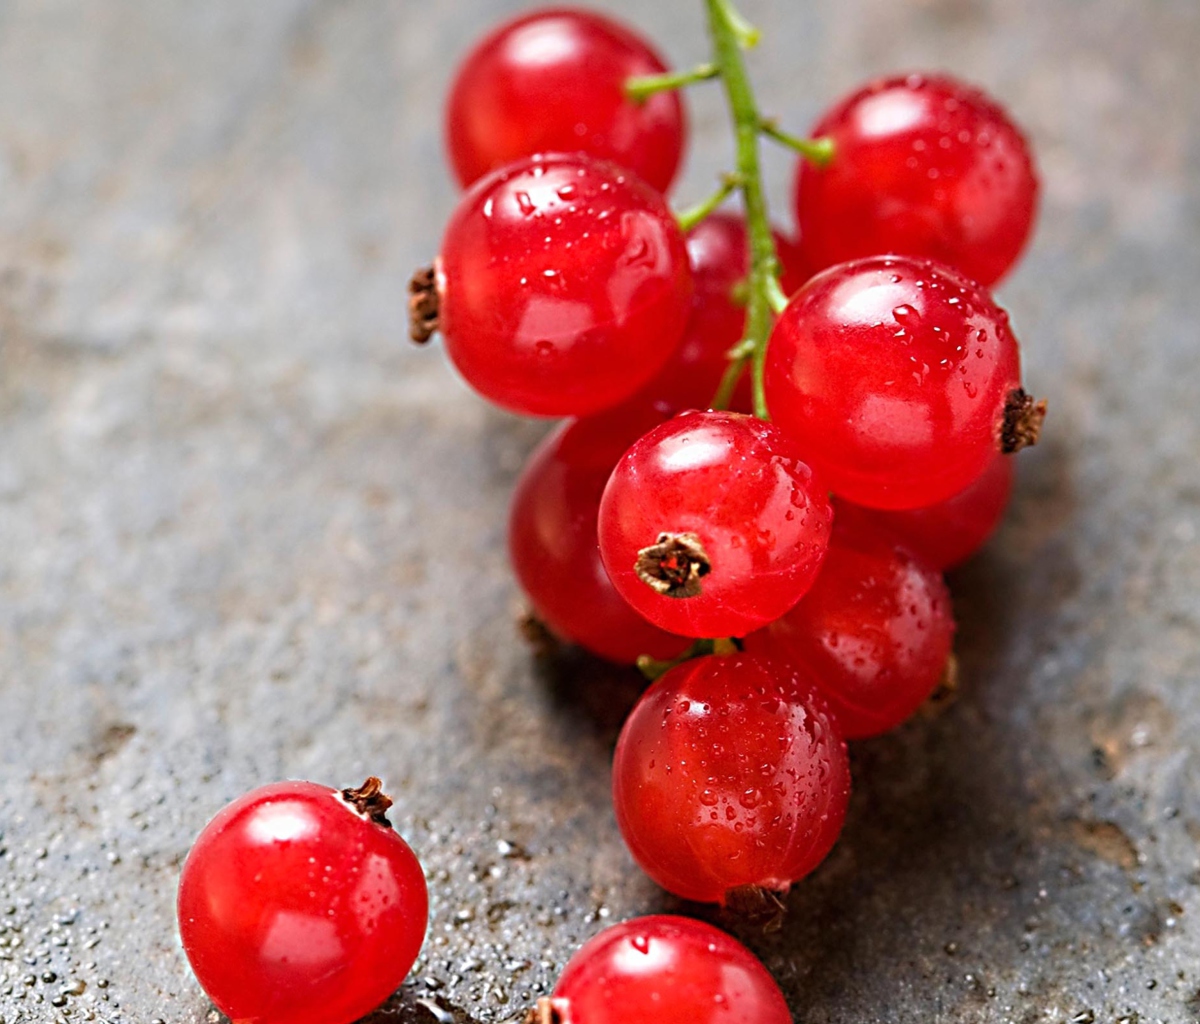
{"x": 900, "y": 379}
{"x": 719, "y": 252}
{"x": 712, "y": 524}
{"x": 300, "y": 905}
{"x": 730, "y": 772}
{"x": 948, "y": 533}
{"x": 552, "y": 536}
{"x": 922, "y": 165}
{"x": 554, "y": 82}
{"x": 562, "y": 287}
{"x": 875, "y": 631}
{"x": 669, "y": 970}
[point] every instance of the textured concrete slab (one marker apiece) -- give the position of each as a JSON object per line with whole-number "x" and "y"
{"x": 247, "y": 533}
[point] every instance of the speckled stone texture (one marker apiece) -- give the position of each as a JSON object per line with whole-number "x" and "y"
{"x": 247, "y": 533}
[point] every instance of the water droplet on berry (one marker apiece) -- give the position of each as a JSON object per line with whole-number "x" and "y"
{"x": 525, "y": 204}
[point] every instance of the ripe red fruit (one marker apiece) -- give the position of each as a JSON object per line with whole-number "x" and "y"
{"x": 730, "y": 772}
{"x": 552, "y": 536}
{"x": 554, "y": 82}
{"x": 899, "y": 378}
{"x": 670, "y": 970}
{"x": 922, "y": 165}
{"x": 563, "y": 285}
{"x": 299, "y": 905}
{"x": 712, "y": 525}
{"x": 875, "y": 630}
{"x": 719, "y": 252}
{"x": 948, "y": 533}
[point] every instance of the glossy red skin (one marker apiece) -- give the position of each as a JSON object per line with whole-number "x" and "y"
{"x": 740, "y": 485}
{"x": 874, "y": 632}
{"x": 669, "y": 970}
{"x": 552, "y": 536}
{"x": 892, "y": 374}
{"x": 554, "y": 82}
{"x": 730, "y": 771}
{"x": 293, "y": 909}
{"x": 719, "y": 252}
{"x": 564, "y": 285}
{"x": 923, "y": 165}
{"x": 948, "y": 533}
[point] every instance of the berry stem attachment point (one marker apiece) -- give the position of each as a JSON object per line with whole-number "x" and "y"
{"x": 747, "y": 35}
{"x": 653, "y": 668}
{"x": 423, "y": 305}
{"x": 730, "y": 34}
{"x": 641, "y": 87}
{"x": 543, "y": 1013}
{"x": 370, "y": 801}
{"x": 1023, "y": 418}
{"x": 693, "y": 215}
{"x": 818, "y": 152}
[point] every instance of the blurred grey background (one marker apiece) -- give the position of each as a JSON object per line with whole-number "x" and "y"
{"x": 247, "y": 533}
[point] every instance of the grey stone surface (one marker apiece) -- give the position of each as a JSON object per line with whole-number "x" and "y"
{"x": 246, "y": 533}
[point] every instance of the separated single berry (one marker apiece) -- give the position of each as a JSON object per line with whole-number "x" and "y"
{"x": 713, "y": 525}
{"x": 669, "y": 970}
{"x": 730, "y": 772}
{"x": 299, "y": 904}
{"x": 900, "y": 380}
{"x": 552, "y": 536}
{"x": 554, "y": 82}
{"x": 874, "y": 632}
{"x": 925, "y": 166}
{"x": 562, "y": 286}
{"x": 719, "y": 253}
{"x": 948, "y": 533}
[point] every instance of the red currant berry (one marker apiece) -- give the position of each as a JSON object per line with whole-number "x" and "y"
{"x": 948, "y": 533}
{"x": 563, "y": 285}
{"x": 730, "y": 772}
{"x": 554, "y": 82}
{"x": 875, "y": 630}
{"x": 669, "y": 970}
{"x": 898, "y": 377}
{"x": 924, "y": 166}
{"x": 719, "y": 252}
{"x": 299, "y": 905}
{"x": 712, "y": 525}
{"x": 552, "y": 536}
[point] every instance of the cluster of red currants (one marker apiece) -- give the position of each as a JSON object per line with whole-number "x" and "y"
{"x": 775, "y": 447}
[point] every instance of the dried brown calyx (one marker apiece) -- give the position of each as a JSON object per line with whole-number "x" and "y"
{"x": 370, "y": 801}
{"x": 758, "y": 906}
{"x": 1023, "y": 417}
{"x": 423, "y": 305}
{"x": 674, "y": 565}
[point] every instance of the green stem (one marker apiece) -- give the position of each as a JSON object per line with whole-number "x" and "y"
{"x": 693, "y": 215}
{"x": 816, "y": 151}
{"x": 653, "y": 669}
{"x": 730, "y": 32}
{"x": 642, "y": 87}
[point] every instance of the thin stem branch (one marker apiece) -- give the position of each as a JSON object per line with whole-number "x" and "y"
{"x": 730, "y": 33}
{"x": 642, "y": 87}
{"x": 746, "y": 34}
{"x": 693, "y": 215}
{"x": 816, "y": 151}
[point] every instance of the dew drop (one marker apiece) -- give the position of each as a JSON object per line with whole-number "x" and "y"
{"x": 525, "y": 204}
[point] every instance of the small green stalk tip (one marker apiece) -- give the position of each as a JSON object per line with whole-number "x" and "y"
{"x": 747, "y": 35}
{"x": 641, "y": 87}
{"x": 693, "y": 215}
{"x": 818, "y": 152}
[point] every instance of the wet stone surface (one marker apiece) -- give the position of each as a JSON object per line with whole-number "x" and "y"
{"x": 246, "y": 533}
